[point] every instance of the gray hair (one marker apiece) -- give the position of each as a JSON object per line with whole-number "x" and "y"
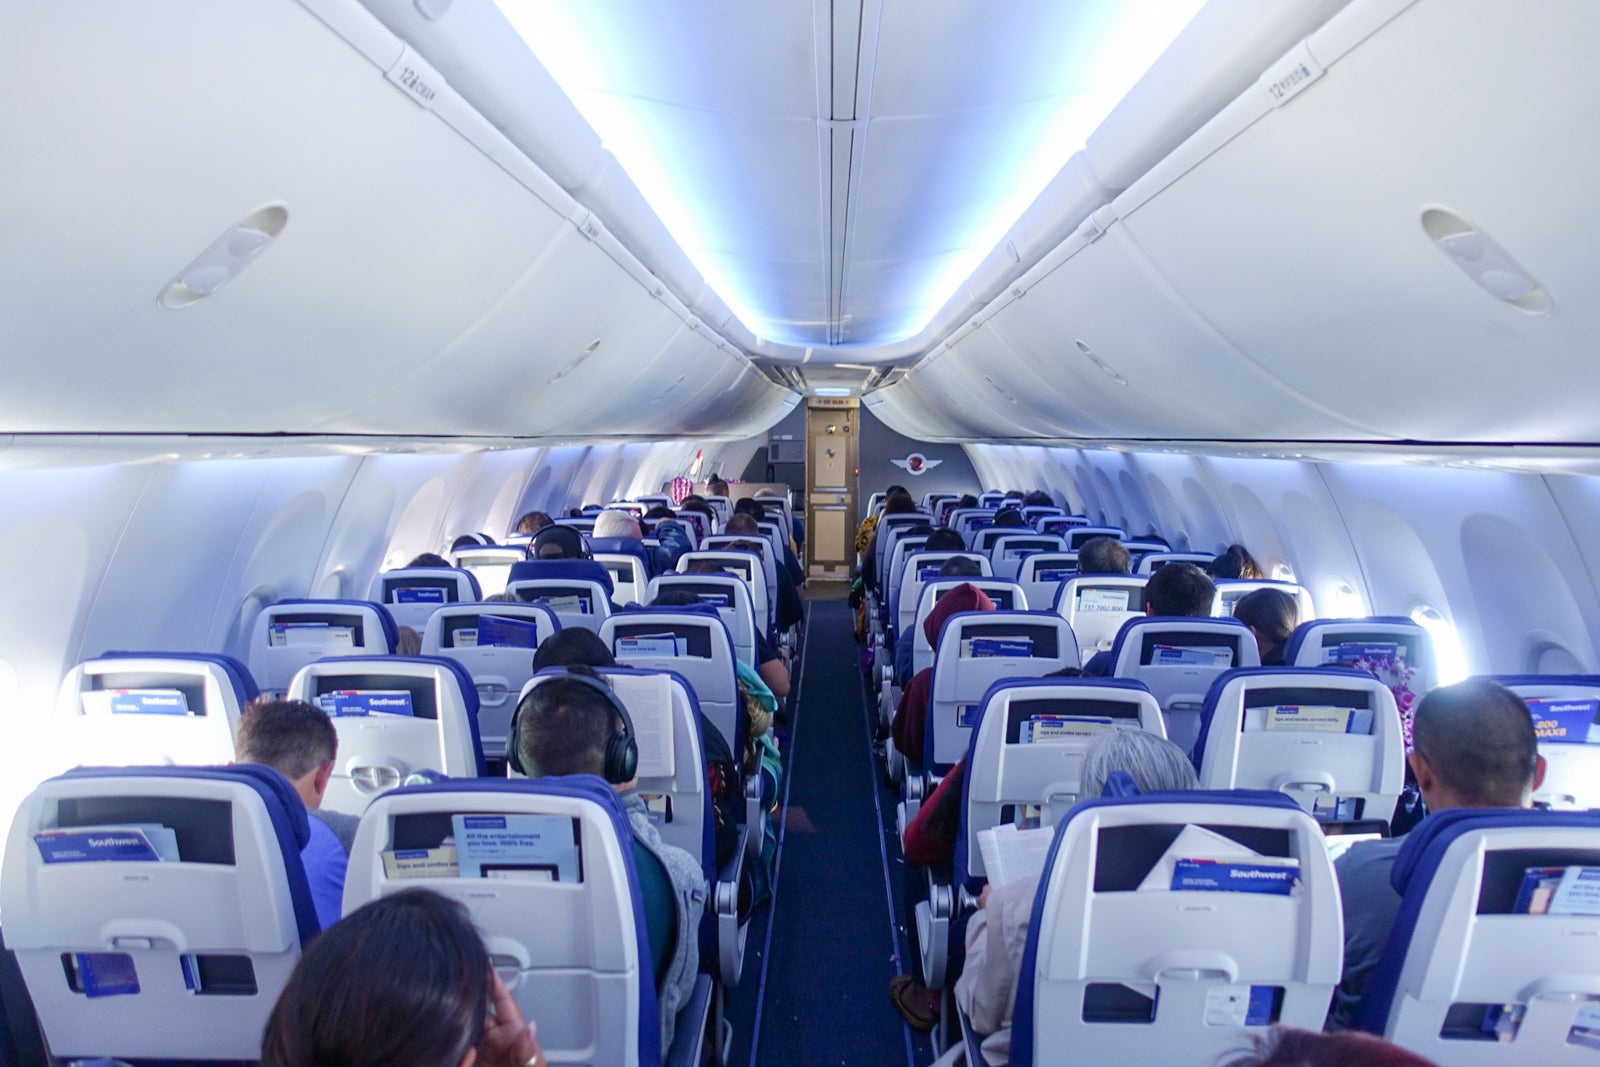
{"x": 1154, "y": 763}
{"x": 614, "y": 522}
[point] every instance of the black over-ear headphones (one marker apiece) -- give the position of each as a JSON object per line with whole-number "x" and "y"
{"x": 622, "y": 751}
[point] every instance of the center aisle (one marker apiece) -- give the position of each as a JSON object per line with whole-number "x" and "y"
{"x": 820, "y": 990}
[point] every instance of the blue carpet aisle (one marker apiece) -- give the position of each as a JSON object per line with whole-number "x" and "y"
{"x": 820, "y": 958}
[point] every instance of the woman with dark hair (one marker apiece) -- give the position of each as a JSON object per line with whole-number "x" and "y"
{"x": 1234, "y": 562}
{"x": 1284, "y": 1046}
{"x": 402, "y": 982}
{"x": 1272, "y": 616}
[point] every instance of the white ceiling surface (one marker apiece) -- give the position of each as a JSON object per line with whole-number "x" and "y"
{"x": 1271, "y": 279}
{"x": 429, "y": 280}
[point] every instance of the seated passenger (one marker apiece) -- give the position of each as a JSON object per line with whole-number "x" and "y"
{"x": 770, "y": 665}
{"x": 532, "y": 522}
{"x": 429, "y": 559}
{"x": 1286, "y": 1046}
{"x": 998, "y": 930}
{"x": 578, "y": 647}
{"x": 715, "y": 486}
{"x": 944, "y": 539}
{"x": 905, "y": 642}
{"x": 614, "y": 522}
{"x": 298, "y": 741}
{"x": 1174, "y": 589}
{"x": 1103, "y": 555}
{"x": 472, "y": 540}
{"x": 405, "y": 981}
{"x": 407, "y": 642}
{"x": 1038, "y": 499}
{"x": 789, "y": 610}
{"x": 1009, "y": 517}
{"x": 566, "y": 725}
{"x": 1234, "y": 562}
{"x": 558, "y": 542}
{"x": 1473, "y": 746}
{"x": 896, "y": 503}
{"x": 911, "y": 718}
{"x": 1272, "y": 616}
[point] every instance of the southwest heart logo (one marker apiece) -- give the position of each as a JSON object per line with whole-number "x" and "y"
{"x": 916, "y": 463}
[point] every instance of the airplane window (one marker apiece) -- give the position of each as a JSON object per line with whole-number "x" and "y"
{"x": 1346, "y": 603}
{"x": 1447, "y": 652}
{"x": 1282, "y": 572}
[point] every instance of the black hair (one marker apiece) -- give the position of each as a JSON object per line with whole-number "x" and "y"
{"x": 429, "y": 559}
{"x": 1180, "y": 589}
{"x": 1234, "y": 562}
{"x": 573, "y": 646}
{"x": 1479, "y": 739}
{"x": 1102, "y": 555}
{"x": 291, "y": 736}
{"x": 960, "y": 567}
{"x": 944, "y": 540}
{"x": 566, "y": 541}
{"x": 671, "y": 597}
{"x": 1009, "y": 517}
{"x": 471, "y": 540}
{"x": 660, "y": 511}
{"x": 563, "y": 727}
{"x": 1270, "y": 612}
{"x": 899, "y": 504}
{"x": 1038, "y": 499}
{"x": 967, "y": 501}
{"x": 400, "y": 982}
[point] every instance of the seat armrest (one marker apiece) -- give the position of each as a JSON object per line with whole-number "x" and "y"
{"x": 689, "y": 1035}
{"x": 730, "y": 934}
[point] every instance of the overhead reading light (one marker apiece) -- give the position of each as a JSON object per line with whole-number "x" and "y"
{"x": 1090, "y": 355}
{"x": 588, "y": 350}
{"x": 227, "y": 256}
{"x": 1485, "y": 262}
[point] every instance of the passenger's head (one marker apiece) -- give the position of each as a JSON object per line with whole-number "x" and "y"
{"x": 674, "y": 597}
{"x": 564, "y": 725}
{"x": 1038, "y": 499}
{"x": 899, "y": 504}
{"x": 1271, "y": 615}
{"x": 660, "y": 511}
{"x": 964, "y": 597}
{"x": 1102, "y": 555}
{"x": 1179, "y": 589}
{"x": 1009, "y": 518}
{"x": 742, "y": 524}
{"x": 429, "y": 559}
{"x": 944, "y": 539}
{"x": 557, "y": 542}
{"x": 749, "y": 505}
{"x": 893, "y": 489}
{"x": 703, "y": 566}
{"x": 400, "y": 982}
{"x": 532, "y": 522}
{"x": 292, "y": 737}
{"x": 407, "y": 642}
{"x": 614, "y": 522}
{"x": 960, "y": 567}
{"x": 1154, "y": 763}
{"x": 967, "y": 501}
{"x": 572, "y": 647}
{"x": 1473, "y": 746}
{"x": 1285, "y": 1046}
{"x": 1234, "y": 562}
{"x": 471, "y": 540}
{"x": 716, "y": 486}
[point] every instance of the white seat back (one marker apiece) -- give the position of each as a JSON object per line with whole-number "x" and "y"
{"x": 1177, "y": 659}
{"x": 976, "y": 650}
{"x": 290, "y": 634}
{"x": 629, "y": 578}
{"x": 148, "y": 709}
{"x": 918, "y": 570}
{"x": 1371, "y": 640}
{"x": 1232, "y": 590}
{"x": 575, "y": 601}
{"x": 1059, "y": 524}
{"x": 1148, "y": 562}
{"x": 1328, "y": 738}
{"x": 762, "y": 549}
{"x": 903, "y": 547}
{"x": 731, "y": 596}
{"x": 412, "y": 593}
{"x": 1077, "y": 535}
{"x": 1007, "y": 596}
{"x": 1097, "y": 605}
{"x": 1008, "y": 551}
{"x": 1026, "y": 761}
{"x": 888, "y": 533}
{"x": 694, "y": 645}
{"x": 1561, "y": 704}
{"x": 394, "y": 716}
{"x": 570, "y": 946}
{"x": 196, "y": 944}
{"x": 1110, "y": 950}
{"x": 495, "y": 643}
{"x": 747, "y": 568}
{"x": 1042, "y": 573}
{"x": 490, "y": 565}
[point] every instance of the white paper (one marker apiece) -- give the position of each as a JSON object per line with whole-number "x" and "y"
{"x": 1012, "y": 855}
{"x": 1194, "y": 842}
{"x": 648, "y": 699}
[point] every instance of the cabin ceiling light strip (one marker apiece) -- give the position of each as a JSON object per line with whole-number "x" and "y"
{"x": 619, "y": 78}
{"x": 1489, "y": 266}
{"x": 227, "y": 256}
{"x": 832, "y": 390}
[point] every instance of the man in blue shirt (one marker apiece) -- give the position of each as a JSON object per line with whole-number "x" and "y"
{"x": 298, "y": 741}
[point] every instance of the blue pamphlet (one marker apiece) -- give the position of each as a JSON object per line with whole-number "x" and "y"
{"x": 989, "y": 647}
{"x": 1565, "y": 721}
{"x": 412, "y": 594}
{"x": 1349, "y": 651}
{"x": 1578, "y": 892}
{"x": 967, "y": 715}
{"x": 1054, "y": 574}
{"x": 366, "y": 702}
{"x": 1230, "y": 877}
{"x": 106, "y": 974}
{"x": 135, "y": 702}
{"x": 721, "y": 600}
{"x": 536, "y": 847}
{"x": 107, "y": 844}
{"x": 927, "y": 574}
{"x": 499, "y": 632}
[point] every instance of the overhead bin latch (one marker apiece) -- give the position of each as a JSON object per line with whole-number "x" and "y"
{"x": 587, "y": 222}
{"x": 1095, "y": 226}
{"x": 1291, "y": 75}
{"x": 412, "y": 75}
